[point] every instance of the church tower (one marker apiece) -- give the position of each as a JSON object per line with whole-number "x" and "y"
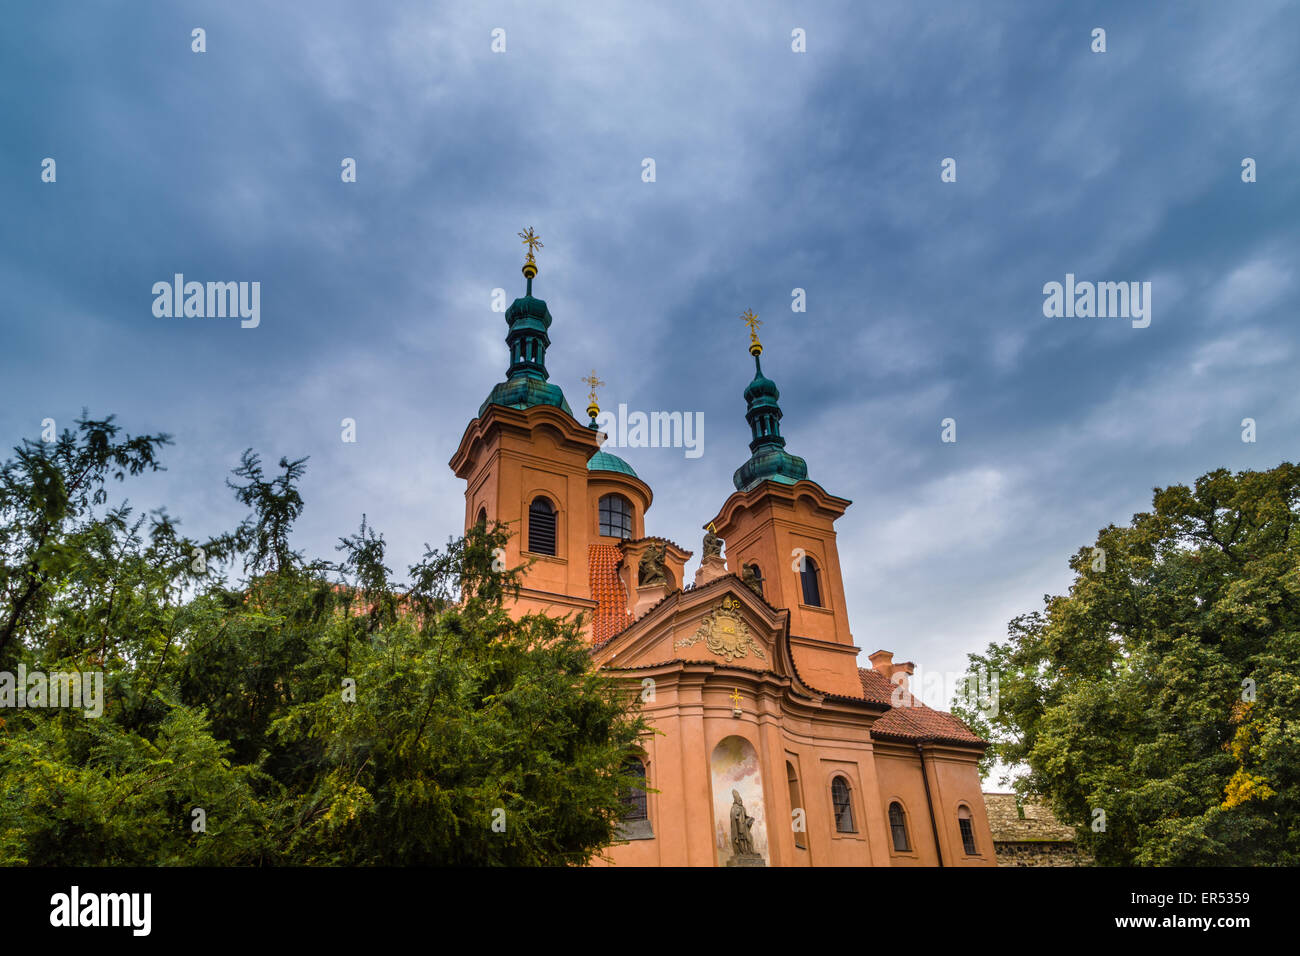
{"x": 524, "y": 462}
{"x": 780, "y": 535}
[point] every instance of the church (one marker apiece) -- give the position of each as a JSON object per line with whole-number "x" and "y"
{"x": 772, "y": 746}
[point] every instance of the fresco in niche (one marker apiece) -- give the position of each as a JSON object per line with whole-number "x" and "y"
{"x": 735, "y": 767}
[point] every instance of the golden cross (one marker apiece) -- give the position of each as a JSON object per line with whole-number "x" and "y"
{"x": 753, "y": 322}
{"x": 531, "y": 241}
{"x": 735, "y": 696}
{"x": 592, "y": 381}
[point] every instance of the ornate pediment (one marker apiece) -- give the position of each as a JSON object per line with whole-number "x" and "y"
{"x": 725, "y": 633}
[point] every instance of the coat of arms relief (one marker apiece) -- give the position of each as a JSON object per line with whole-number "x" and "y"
{"x": 725, "y": 633}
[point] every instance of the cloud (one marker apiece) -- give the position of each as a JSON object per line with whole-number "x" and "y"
{"x": 775, "y": 171}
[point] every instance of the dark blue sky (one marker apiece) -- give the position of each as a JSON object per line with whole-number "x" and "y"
{"x": 775, "y": 170}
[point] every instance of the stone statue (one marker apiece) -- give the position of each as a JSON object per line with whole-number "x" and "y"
{"x": 712, "y": 544}
{"x": 742, "y": 844}
{"x": 749, "y": 576}
{"x": 651, "y": 569}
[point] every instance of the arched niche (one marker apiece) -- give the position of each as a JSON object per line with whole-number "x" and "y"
{"x": 734, "y": 767}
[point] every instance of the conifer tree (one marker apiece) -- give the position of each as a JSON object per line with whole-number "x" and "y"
{"x": 263, "y": 708}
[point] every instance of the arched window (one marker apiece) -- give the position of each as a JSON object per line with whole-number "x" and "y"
{"x": 898, "y": 827}
{"x": 634, "y": 795}
{"x": 752, "y": 576}
{"x": 635, "y": 824}
{"x": 967, "y": 826}
{"x": 799, "y": 821}
{"x": 481, "y": 520}
{"x": 541, "y": 526}
{"x": 842, "y": 802}
{"x": 615, "y": 516}
{"x": 812, "y": 595}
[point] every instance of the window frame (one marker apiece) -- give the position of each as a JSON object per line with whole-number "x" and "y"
{"x": 843, "y": 780}
{"x": 629, "y": 515}
{"x": 638, "y": 827}
{"x": 555, "y": 526}
{"x": 795, "y": 789}
{"x": 895, "y": 827}
{"x": 811, "y": 571}
{"x": 967, "y": 833}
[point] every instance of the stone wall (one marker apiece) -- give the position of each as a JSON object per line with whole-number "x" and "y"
{"x": 1044, "y": 853}
{"x": 1028, "y": 834}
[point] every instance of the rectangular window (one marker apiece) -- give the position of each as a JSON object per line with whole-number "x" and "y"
{"x": 812, "y": 596}
{"x": 967, "y": 836}
{"x": 842, "y": 804}
{"x": 796, "y": 803}
{"x": 615, "y": 517}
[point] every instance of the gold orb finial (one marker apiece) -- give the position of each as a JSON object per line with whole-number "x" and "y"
{"x": 593, "y": 383}
{"x": 750, "y": 319}
{"x": 533, "y": 243}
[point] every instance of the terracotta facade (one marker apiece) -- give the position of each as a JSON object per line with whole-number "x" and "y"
{"x": 756, "y": 697}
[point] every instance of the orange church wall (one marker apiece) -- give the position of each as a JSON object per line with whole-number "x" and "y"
{"x": 634, "y": 490}
{"x": 772, "y": 526}
{"x": 694, "y": 715}
{"x": 511, "y": 456}
{"x": 899, "y": 774}
{"x": 954, "y": 781}
{"x": 829, "y": 667}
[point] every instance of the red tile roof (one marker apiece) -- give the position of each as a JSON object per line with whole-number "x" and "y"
{"x": 611, "y": 614}
{"x": 913, "y": 720}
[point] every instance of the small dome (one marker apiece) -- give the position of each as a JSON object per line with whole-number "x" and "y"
{"x": 531, "y": 310}
{"x": 770, "y": 464}
{"x": 524, "y": 392}
{"x": 761, "y": 387}
{"x": 604, "y": 461}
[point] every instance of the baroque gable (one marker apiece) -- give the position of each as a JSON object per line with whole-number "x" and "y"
{"x": 723, "y": 623}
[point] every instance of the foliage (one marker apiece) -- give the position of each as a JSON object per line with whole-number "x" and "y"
{"x": 1163, "y": 690}
{"x": 314, "y": 712}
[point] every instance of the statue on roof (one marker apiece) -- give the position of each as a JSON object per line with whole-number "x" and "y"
{"x": 712, "y": 544}
{"x": 651, "y": 571}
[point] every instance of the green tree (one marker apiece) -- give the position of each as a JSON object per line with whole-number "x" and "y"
{"x": 316, "y": 712}
{"x": 1160, "y": 698}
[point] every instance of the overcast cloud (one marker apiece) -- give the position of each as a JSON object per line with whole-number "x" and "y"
{"x": 775, "y": 170}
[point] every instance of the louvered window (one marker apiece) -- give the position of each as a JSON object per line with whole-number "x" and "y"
{"x": 541, "y": 527}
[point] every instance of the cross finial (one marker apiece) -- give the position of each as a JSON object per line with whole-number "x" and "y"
{"x": 531, "y": 241}
{"x": 593, "y": 383}
{"x": 752, "y": 320}
{"x": 735, "y": 696}
{"x": 530, "y": 263}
